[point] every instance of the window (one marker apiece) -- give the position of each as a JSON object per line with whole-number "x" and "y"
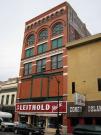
{"x": 7, "y": 99}
{"x": 2, "y": 100}
{"x": 41, "y": 64}
{"x": 29, "y": 52}
{"x": 12, "y": 99}
{"x": 27, "y": 68}
{"x": 43, "y": 35}
{"x": 56, "y": 43}
{"x": 42, "y": 48}
{"x": 57, "y": 29}
{"x": 73, "y": 87}
{"x": 57, "y": 61}
{"x": 99, "y": 84}
{"x": 30, "y": 40}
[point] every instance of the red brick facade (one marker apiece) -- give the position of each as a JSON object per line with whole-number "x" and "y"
{"x": 37, "y": 86}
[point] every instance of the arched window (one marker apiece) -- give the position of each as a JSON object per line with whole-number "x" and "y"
{"x": 43, "y": 35}
{"x": 57, "y": 29}
{"x": 30, "y": 39}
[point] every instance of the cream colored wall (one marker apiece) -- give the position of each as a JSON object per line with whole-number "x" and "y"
{"x": 84, "y": 67}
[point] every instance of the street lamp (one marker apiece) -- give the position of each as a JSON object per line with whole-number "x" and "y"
{"x": 57, "y": 130}
{"x": 47, "y": 75}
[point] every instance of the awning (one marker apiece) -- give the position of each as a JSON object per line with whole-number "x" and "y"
{"x": 40, "y": 114}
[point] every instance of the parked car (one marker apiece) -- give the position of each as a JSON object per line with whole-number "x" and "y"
{"x": 6, "y": 121}
{"x": 23, "y": 128}
{"x": 87, "y": 130}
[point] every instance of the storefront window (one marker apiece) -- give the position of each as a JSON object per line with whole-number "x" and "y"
{"x": 52, "y": 122}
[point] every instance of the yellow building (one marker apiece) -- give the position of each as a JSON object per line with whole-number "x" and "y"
{"x": 84, "y": 81}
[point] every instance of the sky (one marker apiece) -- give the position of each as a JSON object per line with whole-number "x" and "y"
{"x": 14, "y": 14}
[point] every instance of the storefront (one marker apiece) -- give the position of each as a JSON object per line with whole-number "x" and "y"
{"x": 38, "y": 113}
{"x": 88, "y": 114}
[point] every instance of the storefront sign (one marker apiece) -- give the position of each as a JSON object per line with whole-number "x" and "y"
{"x": 75, "y": 109}
{"x": 91, "y": 109}
{"x": 39, "y": 107}
{"x": 94, "y": 108}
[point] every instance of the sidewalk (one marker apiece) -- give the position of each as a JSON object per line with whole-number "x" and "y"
{"x": 50, "y": 133}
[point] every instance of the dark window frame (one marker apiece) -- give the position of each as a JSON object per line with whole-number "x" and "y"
{"x": 31, "y": 40}
{"x": 57, "y": 63}
{"x": 44, "y": 48}
{"x": 12, "y": 99}
{"x": 29, "y": 52}
{"x": 28, "y": 69}
{"x": 99, "y": 84}
{"x": 57, "y": 29}
{"x": 57, "y": 40}
{"x": 7, "y": 99}
{"x": 2, "y": 99}
{"x": 41, "y": 65}
{"x": 43, "y": 35}
{"x": 73, "y": 87}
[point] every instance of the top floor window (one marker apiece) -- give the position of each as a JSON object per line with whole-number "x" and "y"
{"x": 57, "y": 29}
{"x": 43, "y": 35}
{"x": 30, "y": 40}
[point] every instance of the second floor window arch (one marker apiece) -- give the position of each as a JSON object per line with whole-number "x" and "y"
{"x": 57, "y": 29}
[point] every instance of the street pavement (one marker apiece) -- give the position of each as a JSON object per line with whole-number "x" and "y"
{"x": 7, "y": 133}
{"x": 11, "y": 133}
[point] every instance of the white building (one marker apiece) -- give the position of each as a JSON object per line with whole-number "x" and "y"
{"x": 8, "y": 90}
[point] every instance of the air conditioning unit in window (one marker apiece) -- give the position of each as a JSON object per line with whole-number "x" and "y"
{"x": 43, "y": 68}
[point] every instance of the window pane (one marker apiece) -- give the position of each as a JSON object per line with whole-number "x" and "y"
{"x": 12, "y": 99}
{"x": 39, "y": 49}
{"x": 43, "y": 35}
{"x": 54, "y": 44}
{"x": 31, "y": 40}
{"x": 57, "y": 61}
{"x": 60, "y": 64}
{"x": 57, "y": 29}
{"x": 59, "y": 42}
{"x": 54, "y": 62}
{"x": 41, "y": 64}
{"x": 42, "y": 48}
{"x": 29, "y": 52}
{"x": 7, "y": 99}
{"x": 99, "y": 84}
{"x": 2, "y": 100}
{"x": 28, "y": 69}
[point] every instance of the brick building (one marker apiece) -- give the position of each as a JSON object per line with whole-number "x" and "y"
{"x": 43, "y": 69}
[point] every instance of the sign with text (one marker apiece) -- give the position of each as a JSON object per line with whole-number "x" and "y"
{"x": 42, "y": 107}
{"x": 79, "y": 99}
{"x": 91, "y": 109}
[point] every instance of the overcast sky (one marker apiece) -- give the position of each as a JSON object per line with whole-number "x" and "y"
{"x": 14, "y": 14}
